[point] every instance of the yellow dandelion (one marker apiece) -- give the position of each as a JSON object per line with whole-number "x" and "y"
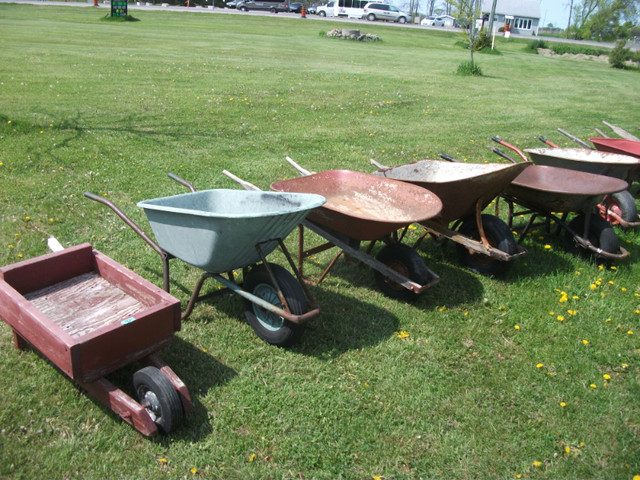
{"x": 592, "y": 286}
{"x": 540, "y": 365}
{"x": 194, "y": 470}
{"x": 547, "y": 247}
{"x": 585, "y": 342}
{"x": 252, "y": 457}
{"x": 563, "y": 404}
{"x": 606, "y": 376}
{"x": 630, "y": 332}
{"x": 593, "y": 385}
{"x": 402, "y": 334}
{"x": 517, "y": 327}
{"x": 572, "y": 312}
{"x": 537, "y": 464}
{"x": 163, "y": 460}
{"x": 560, "y": 318}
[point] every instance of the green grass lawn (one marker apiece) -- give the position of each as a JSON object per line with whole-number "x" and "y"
{"x": 533, "y": 375}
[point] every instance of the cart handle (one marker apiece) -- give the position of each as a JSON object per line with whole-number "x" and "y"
{"x": 128, "y": 221}
{"x": 377, "y": 164}
{"x": 504, "y": 155}
{"x": 448, "y": 158}
{"x": 547, "y": 142}
{"x": 244, "y": 183}
{"x": 303, "y": 171}
{"x": 511, "y": 147}
{"x": 582, "y": 143}
{"x": 182, "y": 181}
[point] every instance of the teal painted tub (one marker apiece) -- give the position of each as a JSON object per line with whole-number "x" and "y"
{"x": 218, "y": 230}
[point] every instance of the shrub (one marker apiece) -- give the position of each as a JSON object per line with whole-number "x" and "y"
{"x": 619, "y": 55}
{"x": 536, "y": 44}
{"x": 470, "y": 69}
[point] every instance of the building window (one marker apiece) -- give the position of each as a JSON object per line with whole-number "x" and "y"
{"x": 523, "y": 23}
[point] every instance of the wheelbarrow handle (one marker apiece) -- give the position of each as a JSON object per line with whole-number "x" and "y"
{"x": 510, "y": 147}
{"x": 377, "y": 164}
{"x": 244, "y": 183}
{"x": 547, "y": 142}
{"x": 448, "y": 158}
{"x": 182, "y": 181}
{"x": 504, "y": 155}
{"x": 128, "y": 221}
{"x": 582, "y": 143}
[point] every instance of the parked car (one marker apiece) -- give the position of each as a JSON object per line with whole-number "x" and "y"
{"x": 326, "y": 10}
{"x": 444, "y": 21}
{"x": 295, "y": 7}
{"x": 382, "y": 11}
{"x": 313, "y": 9}
{"x": 271, "y": 5}
{"x": 428, "y": 21}
{"x": 231, "y": 4}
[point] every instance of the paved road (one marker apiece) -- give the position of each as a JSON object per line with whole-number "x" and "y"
{"x": 142, "y": 6}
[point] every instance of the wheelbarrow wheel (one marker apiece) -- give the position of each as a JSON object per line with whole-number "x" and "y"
{"x": 601, "y": 235}
{"x": 623, "y": 204}
{"x": 406, "y": 261}
{"x": 499, "y": 236}
{"x": 158, "y": 396}
{"x": 268, "y": 326}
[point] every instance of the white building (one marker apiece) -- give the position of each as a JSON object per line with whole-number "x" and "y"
{"x": 522, "y": 16}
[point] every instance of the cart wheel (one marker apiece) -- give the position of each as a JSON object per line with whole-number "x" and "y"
{"x": 406, "y": 261}
{"x": 623, "y": 204}
{"x": 499, "y": 235}
{"x": 267, "y": 325}
{"x": 158, "y": 396}
{"x": 601, "y": 235}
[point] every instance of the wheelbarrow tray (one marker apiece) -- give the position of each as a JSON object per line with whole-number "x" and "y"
{"x": 584, "y": 160}
{"x": 218, "y": 230}
{"x": 555, "y": 189}
{"x": 85, "y": 312}
{"x": 617, "y": 145}
{"x": 363, "y": 206}
{"x": 460, "y": 186}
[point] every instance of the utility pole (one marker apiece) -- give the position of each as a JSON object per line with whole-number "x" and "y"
{"x": 566, "y": 33}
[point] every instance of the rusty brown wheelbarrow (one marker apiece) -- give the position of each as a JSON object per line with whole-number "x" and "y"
{"x": 362, "y": 207}
{"x": 554, "y": 193}
{"x": 618, "y": 208}
{"x": 484, "y": 242}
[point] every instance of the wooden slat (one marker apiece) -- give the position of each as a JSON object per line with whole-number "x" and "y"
{"x": 84, "y": 303}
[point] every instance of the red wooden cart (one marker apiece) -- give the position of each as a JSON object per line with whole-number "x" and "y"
{"x": 89, "y": 316}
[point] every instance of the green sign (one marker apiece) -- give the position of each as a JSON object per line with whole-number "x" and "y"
{"x": 118, "y": 8}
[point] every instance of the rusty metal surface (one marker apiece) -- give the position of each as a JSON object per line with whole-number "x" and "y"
{"x": 584, "y": 160}
{"x": 363, "y": 206}
{"x": 562, "y": 190}
{"x": 617, "y": 145}
{"x": 459, "y": 185}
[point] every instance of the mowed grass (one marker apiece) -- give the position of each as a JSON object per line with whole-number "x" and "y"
{"x": 534, "y": 375}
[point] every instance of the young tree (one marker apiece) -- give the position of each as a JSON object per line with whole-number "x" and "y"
{"x": 467, "y": 11}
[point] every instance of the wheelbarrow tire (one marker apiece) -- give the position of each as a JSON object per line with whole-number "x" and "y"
{"x": 601, "y": 235}
{"x": 267, "y": 325}
{"x": 159, "y": 397}
{"x": 623, "y": 204}
{"x": 406, "y": 261}
{"x": 499, "y": 236}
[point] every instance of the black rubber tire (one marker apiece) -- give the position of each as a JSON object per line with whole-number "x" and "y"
{"x": 623, "y": 204}
{"x": 499, "y": 235}
{"x": 404, "y": 260}
{"x": 402, "y": 20}
{"x": 371, "y": 17}
{"x": 268, "y": 326}
{"x": 157, "y": 395}
{"x": 243, "y": 9}
{"x": 322, "y": 14}
{"x": 273, "y": 10}
{"x": 601, "y": 235}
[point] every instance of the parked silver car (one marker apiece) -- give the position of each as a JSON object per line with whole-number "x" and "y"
{"x": 382, "y": 11}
